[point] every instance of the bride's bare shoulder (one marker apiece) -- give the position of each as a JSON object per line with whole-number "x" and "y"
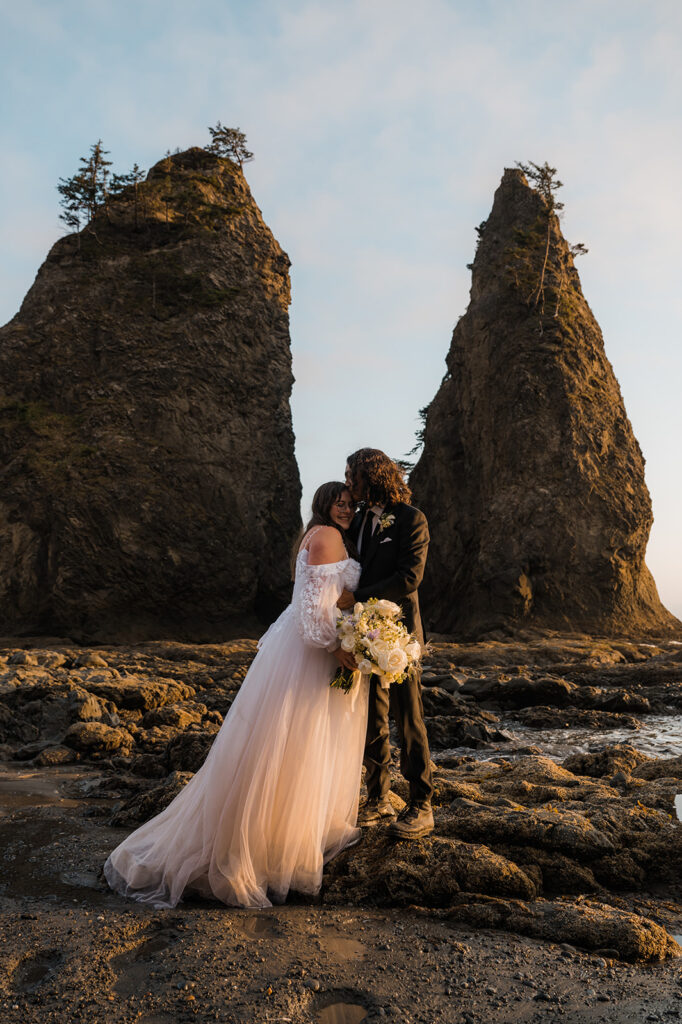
{"x": 325, "y": 545}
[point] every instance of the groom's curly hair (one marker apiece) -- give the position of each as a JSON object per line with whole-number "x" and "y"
{"x": 379, "y": 479}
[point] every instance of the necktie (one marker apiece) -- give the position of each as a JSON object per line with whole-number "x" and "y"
{"x": 361, "y": 535}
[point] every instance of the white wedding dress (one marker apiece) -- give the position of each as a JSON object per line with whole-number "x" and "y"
{"x": 277, "y": 796}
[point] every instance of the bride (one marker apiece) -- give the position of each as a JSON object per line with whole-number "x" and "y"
{"x": 277, "y": 796}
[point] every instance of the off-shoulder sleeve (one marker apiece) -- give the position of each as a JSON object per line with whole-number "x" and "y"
{"x": 321, "y": 590}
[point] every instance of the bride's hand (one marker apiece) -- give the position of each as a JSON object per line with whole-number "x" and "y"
{"x": 345, "y": 658}
{"x": 346, "y": 601}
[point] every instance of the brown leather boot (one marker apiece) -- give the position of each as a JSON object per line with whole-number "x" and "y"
{"x": 417, "y": 821}
{"x": 376, "y": 812}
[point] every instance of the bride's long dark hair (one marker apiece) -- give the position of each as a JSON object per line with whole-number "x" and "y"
{"x": 325, "y": 496}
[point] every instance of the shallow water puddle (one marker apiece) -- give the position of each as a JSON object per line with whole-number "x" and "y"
{"x": 29, "y": 789}
{"x": 342, "y": 1013}
{"x": 678, "y": 806}
{"x": 339, "y": 946}
{"x": 259, "y": 926}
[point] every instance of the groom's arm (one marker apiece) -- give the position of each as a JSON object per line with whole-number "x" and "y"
{"x": 409, "y": 571}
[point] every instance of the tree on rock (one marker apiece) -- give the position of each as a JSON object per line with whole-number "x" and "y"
{"x": 120, "y": 182}
{"x": 87, "y": 191}
{"x": 230, "y": 143}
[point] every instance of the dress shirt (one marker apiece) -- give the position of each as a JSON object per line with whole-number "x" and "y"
{"x": 377, "y": 512}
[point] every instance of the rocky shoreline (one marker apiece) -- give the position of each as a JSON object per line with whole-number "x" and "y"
{"x": 565, "y": 868}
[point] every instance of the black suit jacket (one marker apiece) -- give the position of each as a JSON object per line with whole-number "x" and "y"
{"x": 393, "y": 561}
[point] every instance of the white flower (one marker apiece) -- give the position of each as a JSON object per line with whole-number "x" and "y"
{"x": 347, "y": 643}
{"x": 377, "y": 648}
{"x": 393, "y": 661}
{"x": 358, "y": 608}
{"x": 384, "y": 607}
{"x": 413, "y": 651}
{"x": 365, "y": 666}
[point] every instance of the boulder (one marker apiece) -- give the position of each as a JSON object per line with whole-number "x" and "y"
{"x": 594, "y": 926}
{"x": 95, "y": 740}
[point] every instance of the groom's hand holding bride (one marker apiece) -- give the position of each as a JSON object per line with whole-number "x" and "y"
{"x": 346, "y": 601}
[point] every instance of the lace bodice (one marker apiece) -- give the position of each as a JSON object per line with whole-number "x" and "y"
{"x": 316, "y": 590}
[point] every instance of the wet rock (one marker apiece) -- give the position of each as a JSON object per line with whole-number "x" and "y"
{"x": 663, "y": 768}
{"x": 619, "y": 758}
{"x": 567, "y": 831}
{"x": 57, "y": 754}
{"x": 187, "y": 752}
{"x": 521, "y": 691}
{"x": 145, "y": 805}
{"x": 96, "y": 739}
{"x": 16, "y": 728}
{"x": 51, "y": 659}
{"x": 465, "y": 731}
{"x": 588, "y": 925}
{"x": 85, "y": 707}
{"x": 179, "y": 717}
{"x": 140, "y": 693}
{"x": 429, "y": 871}
{"x": 22, "y": 658}
{"x": 30, "y": 750}
{"x": 155, "y": 739}
{"x": 574, "y": 718}
{"x": 91, "y": 659}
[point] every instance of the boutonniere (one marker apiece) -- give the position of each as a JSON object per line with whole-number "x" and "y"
{"x": 386, "y": 520}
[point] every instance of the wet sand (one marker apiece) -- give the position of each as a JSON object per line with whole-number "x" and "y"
{"x": 72, "y": 950}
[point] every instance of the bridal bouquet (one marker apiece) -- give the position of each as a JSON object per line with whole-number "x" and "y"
{"x": 379, "y": 643}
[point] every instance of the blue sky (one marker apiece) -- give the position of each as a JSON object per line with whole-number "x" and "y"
{"x": 381, "y": 129}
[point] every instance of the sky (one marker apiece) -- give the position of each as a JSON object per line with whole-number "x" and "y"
{"x": 380, "y": 130}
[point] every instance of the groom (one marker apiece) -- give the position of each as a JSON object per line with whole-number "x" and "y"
{"x": 392, "y": 539}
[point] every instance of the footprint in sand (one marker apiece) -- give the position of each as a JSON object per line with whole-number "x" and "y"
{"x": 133, "y": 967}
{"x": 34, "y": 968}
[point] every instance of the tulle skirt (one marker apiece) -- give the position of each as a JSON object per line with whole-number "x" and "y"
{"x": 275, "y": 799}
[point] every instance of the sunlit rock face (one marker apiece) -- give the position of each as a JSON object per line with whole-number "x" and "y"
{"x": 149, "y": 485}
{"x": 530, "y": 475}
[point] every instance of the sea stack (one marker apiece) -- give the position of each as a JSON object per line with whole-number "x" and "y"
{"x": 148, "y": 481}
{"x": 530, "y": 475}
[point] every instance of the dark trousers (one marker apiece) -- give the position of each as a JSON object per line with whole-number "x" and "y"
{"x": 405, "y": 701}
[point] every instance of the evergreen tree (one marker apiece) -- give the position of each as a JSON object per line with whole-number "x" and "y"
{"x": 87, "y": 191}
{"x": 72, "y": 191}
{"x": 544, "y": 181}
{"x": 119, "y": 182}
{"x": 230, "y": 143}
{"x": 167, "y": 194}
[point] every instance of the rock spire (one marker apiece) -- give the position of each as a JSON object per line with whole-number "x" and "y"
{"x": 148, "y": 485}
{"x": 530, "y": 475}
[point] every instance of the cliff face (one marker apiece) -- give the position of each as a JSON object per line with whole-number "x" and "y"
{"x": 531, "y": 476}
{"x": 148, "y": 484}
